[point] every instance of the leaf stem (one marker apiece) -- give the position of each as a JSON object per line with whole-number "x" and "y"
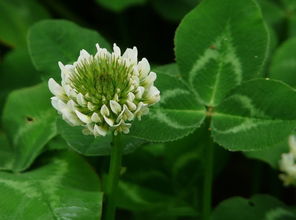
{"x": 208, "y": 178}
{"x": 113, "y": 178}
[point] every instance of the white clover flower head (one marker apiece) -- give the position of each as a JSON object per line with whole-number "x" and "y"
{"x": 104, "y": 92}
{"x": 287, "y": 164}
{"x": 292, "y": 144}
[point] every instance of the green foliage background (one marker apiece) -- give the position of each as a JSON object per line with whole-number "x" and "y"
{"x": 226, "y": 72}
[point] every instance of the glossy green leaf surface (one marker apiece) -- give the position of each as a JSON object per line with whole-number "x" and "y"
{"x": 283, "y": 66}
{"x": 176, "y": 115}
{"x": 89, "y": 145}
{"x": 63, "y": 187}
{"x": 219, "y": 44}
{"x": 250, "y": 119}
{"x": 270, "y": 155}
{"x": 51, "y": 41}
{"x": 6, "y": 153}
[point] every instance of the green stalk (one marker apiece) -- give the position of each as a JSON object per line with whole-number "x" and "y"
{"x": 113, "y": 178}
{"x": 208, "y": 179}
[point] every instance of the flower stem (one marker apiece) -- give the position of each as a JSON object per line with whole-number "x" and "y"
{"x": 207, "y": 184}
{"x": 113, "y": 178}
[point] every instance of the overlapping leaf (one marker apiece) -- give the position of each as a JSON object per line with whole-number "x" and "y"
{"x": 283, "y": 66}
{"x": 93, "y": 146}
{"x": 16, "y": 16}
{"x": 63, "y": 187}
{"x": 6, "y": 153}
{"x": 270, "y": 155}
{"x": 176, "y": 115}
{"x": 16, "y": 71}
{"x": 259, "y": 114}
{"x": 256, "y": 208}
{"x": 51, "y": 41}
{"x": 29, "y": 121}
{"x": 219, "y": 44}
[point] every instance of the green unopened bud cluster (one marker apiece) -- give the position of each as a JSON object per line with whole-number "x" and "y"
{"x": 287, "y": 164}
{"x": 104, "y": 92}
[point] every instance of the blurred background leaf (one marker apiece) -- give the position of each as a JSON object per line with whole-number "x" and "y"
{"x": 283, "y": 66}
{"x": 256, "y": 208}
{"x": 16, "y": 16}
{"x": 173, "y": 10}
{"x": 30, "y": 123}
{"x": 119, "y": 5}
{"x": 16, "y": 71}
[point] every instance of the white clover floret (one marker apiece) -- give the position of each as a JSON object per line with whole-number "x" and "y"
{"x": 104, "y": 92}
{"x": 287, "y": 164}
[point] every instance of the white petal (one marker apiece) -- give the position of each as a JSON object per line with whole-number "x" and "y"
{"x": 139, "y": 92}
{"x": 150, "y": 79}
{"x": 70, "y": 117}
{"x": 84, "y": 118}
{"x": 95, "y": 118}
{"x": 115, "y": 107}
{"x": 153, "y": 95}
{"x": 68, "y": 90}
{"x": 126, "y": 114}
{"x": 132, "y": 106}
{"x": 73, "y": 94}
{"x": 66, "y": 111}
{"x": 60, "y": 106}
{"x": 129, "y": 114}
{"x": 98, "y": 47}
{"x": 102, "y": 52}
{"x": 66, "y": 71}
{"x": 90, "y": 127}
{"x": 136, "y": 81}
{"x": 61, "y": 65}
{"x": 116, "y": 50}
{"x": 292, "y": 144}
{"x": 100, "y": 130}
{"x": 122, "y": 127}
{"x": 144, "y": 68}
{"x": 84, "y": 56}
{"x": 116, "y": 98}
{"x": 86, "y": 131}
{"x": 141, "y": 110}
{"x": 105, "y": 111}
{"x": 91, "y": 106}
{"x": 131, "y": 96}
{"x": 72, "y": 105}
{"x": 55, "y": 88}
{"x": 80, "y": 99}
{"x": 54, "y": 102}
{"x": 109, "y": 121}
{"x": 125, "y": 130}
{"x": 131, "y": 55}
